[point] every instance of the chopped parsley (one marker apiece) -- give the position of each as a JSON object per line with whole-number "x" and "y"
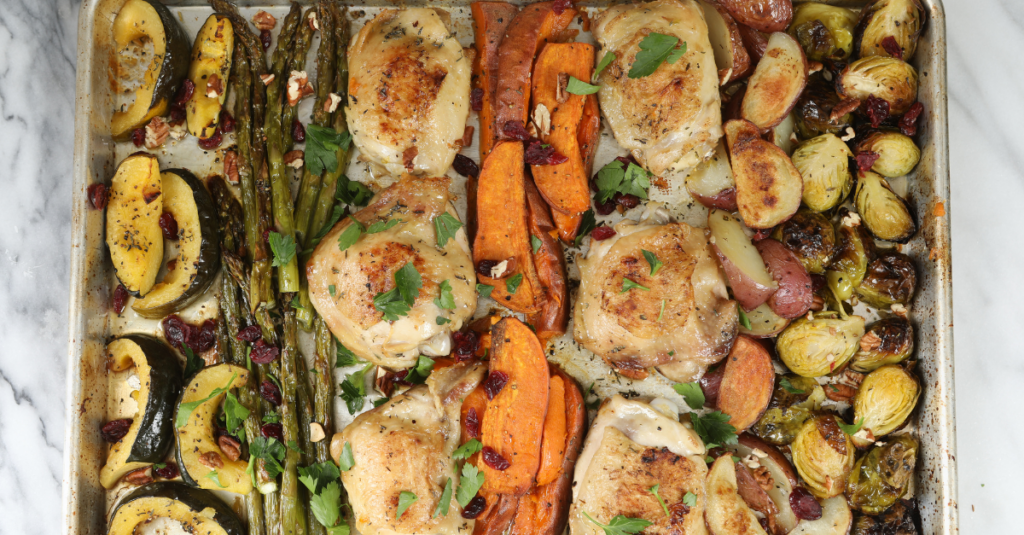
{"x": 234, "y": 415}
{"x": 512, "y": 284}
{"x": 466, "y": 450}
{"x": 621, "y": 525}
{"x": 345, "y": 357}
{"x": 654, "y": 490}
{"x": 692, "y": 394}
{"x": 587, "y": 224}
{"x": 352, "y": 192}
{"x": 851, "y": 429}
{"x": 606, "y": 60}
{"x": 445, "y": 226}
{"x": 322, "y": 146}
{"x": 470, "y": 483}
{"x": 405, "y": 499}
{"x": 484, "y": 289}
{"x": 579, "y": 87}
{"x": 655, "y": 49}
{"x": 399, "y": 300}
{"x": 652, "y": 259}
{"x": 446, "y": 300}
{"x": 283, "y": 248}
{"x": 628, "y": 285}
{"x": 617, "y": 177}
{"x": 353, "y": 389}
{"x": 185, "y": 409}
{"x": 535, "y": 243}
{"x": 788, "y": 386}
{"x": 744, "y": 320}
{"x": 714, "y": 428}
{"x": 347, "y": 460}
{"x": 445, "y": 502}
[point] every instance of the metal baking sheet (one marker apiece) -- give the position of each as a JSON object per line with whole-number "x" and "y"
{"x": 85, "y": 502}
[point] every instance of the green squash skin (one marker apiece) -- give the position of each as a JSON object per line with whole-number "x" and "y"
{"x": 177, "y": 52}
{"x": 156, "y": 431}
{"x": 182, "y": 468}
{"x": 196, "y": 499}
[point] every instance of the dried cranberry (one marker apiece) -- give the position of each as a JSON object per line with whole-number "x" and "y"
{"x": 908, "y": 123}
{"x": 476, "y": 99}
{"x": 184, "y": 93}
{"x": 484, "y": 267}
{"x": 602, "y": 233}
{"x": 472, "y": 423}
{"x": 177, "y": 116}
{"x": 474, "y": 507}
{"x": 866, "y": 159}
{"x": 177, "y": 332}
{"x": 817, "y": 282}
{"x": 211, "y": 142}
{"x": 120, "y": 299}
{"x": 206, "y": 338}
{"x": 139, "y": 137}
{"x": 169, "y": 471}
{"x": 494, "y": 383}
{"x": 494, "y": 459}
{"x": 270, "y": 392}
{"x": 465, "y": 166}
{"x": 97, "y": 194}
{"x": 877, "y": 110}
{"x": 626, "y": 201}
{"x": 115, "y": 430}
{"x": 250, "y": 334}
{"x": 169, "y": 226}
{"x": 540, "y": 153}
{"x": 272, "y": 431}
{"x": 604, "y": 208}
{"x": 805, "y": 507}
{"x": 560, "y": 6}
{"x": 263, "y": 353}
{"x": 893, "y": 48}
{"x": 515, "y": 130}
{"x": 466, "y": 344}
{"x": 265, "y": 39}
{"x": 227, "y": 122}
{"x": 266, "y": 236}
{"x": 298, "y": 131}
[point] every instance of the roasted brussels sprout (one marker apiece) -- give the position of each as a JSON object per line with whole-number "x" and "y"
{"x": 888, "y": 341}
{"x": 854, "y": 250}
{"x": 819, "y": 346}
{"x": 886, "y": 214}
{"x": 824, "y": 31}
{"x": 823, "y": 456}
{"x": 814, "y": 109}
{"x": 902, "y": 20}
{"x": 898, "y": 520}
{"x": 824, "y": 164}
{"x": 882, "y": 476}
{"x": 889, "y": 79}
{"x": 890, "y": 279}
{"x": 897, "y": 153}
{"x": 811, "y": 237}
{"x": 884, "y": 401}
{"x": 794, "y": 401}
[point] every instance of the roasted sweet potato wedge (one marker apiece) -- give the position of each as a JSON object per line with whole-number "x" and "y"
{"x": 553, "y": 317}
{"x": 764, "y": 15}
{"x": 777, "y": 82}
{"x": 768, "y": 186}
{"x": 490, "y": 20}
{"x": 747, "y": 383}
{"x": 496, "y": 518}
{"x": 568, "y": 225}
{"x": 502, "y": 236}
{"x": 513, "y": 429}
{"x": 589, "y": 133}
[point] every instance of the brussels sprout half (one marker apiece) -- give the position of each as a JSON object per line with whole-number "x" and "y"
{"x": 854, "y": 251}
{"x": 890, "y": 79}
{"x": 902, "y": 20}
{"x": 823, "y": 456}
{"x": 824, "y": 164}
{"x": 794, "y": 401}
{"x": 890, "y": 279}
{"x": 886, "y": 215}
{"x": 819, "y": 346}
{"x": 824, "y": 31}
{"x": 898, "y": 520}
{"x": 813, "y": 111}
{"x": 897, "y": 153}
{"x": 882, "y": 476}
{"x": 888, "y": 341}
{"x": 884, "y": 401}
{"x": 810, "y": 235}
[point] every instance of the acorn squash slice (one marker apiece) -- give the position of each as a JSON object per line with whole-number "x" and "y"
{"x": 134, "y": 237}
{"x": 211, "y": 56}
{"x": 197, "y": 448}
{"x": 198, "y": 511}
{"x": 152, "y": 431}
{"x": 197, "y": 261}
{"x": 137, "y": 22}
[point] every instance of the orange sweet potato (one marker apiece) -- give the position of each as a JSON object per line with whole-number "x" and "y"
{"x": 529, "y": 30}
{"x": 552, "y": 445}
{"x": 514, "y": 424}
{"x": 565, "y": 186}
{"x": 553, "y": 317}
{"x": 490, "y": 20}
{"x": 500, "y": 511}
{"x": 589, "y": 133}
{"x": 502, "y": 233}
{"x": 567, "y": 225}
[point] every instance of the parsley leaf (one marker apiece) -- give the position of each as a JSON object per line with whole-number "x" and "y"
{"x": 617, "y": 177}
{"x": 446, "y": 500}
{"x": 352, "y": 192}
{"x": 283, "y": 248}
{"x": 788, "y": 386}
{"x": 322, "y": 144}
{"x": 317, "y": 476}
{"x": 353, "y": 389}
{"x": 185, "y": 409}
{"x": 850, "y": 429}
{"x": 621, "y": 525}
{"x": 654, "y": 490}
{"x": 445, "y": 226}
{"x": 192, "y": 362}
{"x": 381, "y": 226}
{"x": 405, "y": 499}
{"x": 655, "y": 49}
{"x": 579, "y": 87}
{"x": 441, "y": 320}
{"x": 628, "y": 285}
{"x": 606, "y": 60}
{"x": 345, "y": 356}
{"x": 689, "y": 499}
{"x": 408, "y": 282}
{"x": 215, "y": 477}
{"x": 744, "y": 320}
{"x": 234, "y": 414}
{"x": 271, "y": 451}
{"x": 419, "y": 373}
{"x": 350, "y": 235}
{"x": 326, "y": 505}
{"x": 466, "y": 450}
{"x": 662, "y": 312}
{"x": 484, "y": 289}
{"x": 470, "y": 483}
{"x": 692, "y": 394}
{"x": 714, "y": 428}
{"x": 652, "y": 259}
{"x": 347, "y": 459}
{"x": 391, "y": 304}
{"x": 587, "y": 224}
{"x": 512, "y": 284}
{"x": 446, "y": 300}
{"x": 535, "y": 243}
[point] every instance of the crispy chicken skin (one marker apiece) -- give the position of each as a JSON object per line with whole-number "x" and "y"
{"x": 408, "y": 91}
{"x": 631, "y": 447}
{"x": 342, "y": 284}
{"x": 683, "y": 324}
{"x": 406, "y": 444}
{"x": 670, "y": 120}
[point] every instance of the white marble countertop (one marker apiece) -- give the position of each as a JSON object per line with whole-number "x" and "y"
{"x": 37, "y": 74}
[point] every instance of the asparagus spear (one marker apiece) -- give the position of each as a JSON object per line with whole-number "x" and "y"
{"x": 323, "y": 387}
{"x": 297, "y": 62}
{"x": 293, "y": 516}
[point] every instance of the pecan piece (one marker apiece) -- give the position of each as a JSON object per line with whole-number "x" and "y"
{"x": 211, "y": 459}
{"x": 231, "y": 448}
{"x": 266, "y": 78}
{"x": 561, "y": 94}
{"x": 264, "y": 21}
{"x": 294, "y": 159}
{"x": 331, "y": 105}
{"x": 157, "y": 132}
{"x": 140, "y": 477}
{"x": 214, "y": 86}
{"x": 298, "y": 87}
{"x": 842, "y": 108}
{"x": 231, "y": 166}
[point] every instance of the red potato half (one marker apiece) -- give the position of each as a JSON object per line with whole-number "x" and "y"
{"x": 747, "y": 383}
{"x": 782, "y": 473}
{"x": 768, "y": 186}
{"x": 711, "y": 183}
{"x": 777, "y": 82}
{"x": 764, "y": 322}
{"x": 795, "y": 294}
{"x": 731, "y": 56}
{"x": 750, "y": 281}
{"x": 726, "y": 513}
{"x": 764, "y": 15}
{"x": 836, "y": 519}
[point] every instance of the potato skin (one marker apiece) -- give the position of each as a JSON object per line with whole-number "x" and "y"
{"x": 795, "y": 294}
{"x": 764, "y": 15}
{"x": 724, "y": 200}
{"x": 747, "y": 291}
